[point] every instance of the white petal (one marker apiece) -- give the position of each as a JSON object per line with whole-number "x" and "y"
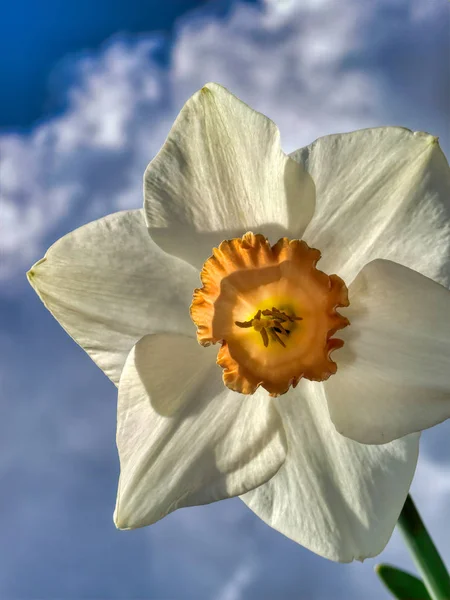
{"x": 338, "y": 498}
{"x": 183, "y": 437}
{"x": 393, "y": 373}
{"x": 108, "y": 285}
{"x": 220, "y": 174}
{"x": 380, "y": 193}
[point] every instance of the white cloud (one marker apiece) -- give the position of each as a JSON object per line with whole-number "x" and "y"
{"x": 84, "y": 163}
{"x": 287, "y": 62}
{"x": 235, "y": 588}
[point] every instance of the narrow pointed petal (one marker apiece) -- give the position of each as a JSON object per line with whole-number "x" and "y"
{"x": 183, "y": 437}
{"x": 108, "y": 285}
{"x": 221, "y": 173}
{"x": 393, "y": 373}
{"x": 380, "y": 193}
{"x": 338, "y": 498}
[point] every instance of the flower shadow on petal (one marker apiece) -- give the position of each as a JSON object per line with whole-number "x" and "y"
{"x": 301, "y": 199}
{"x": 186, "y": 398}
{"x": 183, "y": 386}
{"x": 201, "y": 445}
{"x": 194, "y": 243}
{"x": 355, "y": 313}
{"x": 197, "y": 245}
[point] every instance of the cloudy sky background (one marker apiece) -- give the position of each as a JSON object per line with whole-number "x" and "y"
{"x": 315, "y": 67}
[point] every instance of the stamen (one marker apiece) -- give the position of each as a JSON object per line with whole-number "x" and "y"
{"x": 280, "y": 329}
{"x": 277, "y": 337}
{"x": 272, "y": 323}
{"x": 265, "y": 337}
{"x": 244, "y": 324}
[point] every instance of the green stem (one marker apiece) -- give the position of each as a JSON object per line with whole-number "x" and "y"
{"x": 424, "y": 552}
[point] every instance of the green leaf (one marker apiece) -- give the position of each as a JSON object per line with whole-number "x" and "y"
{"x": 402, "y": 585}
{"x": 424, "y": 552}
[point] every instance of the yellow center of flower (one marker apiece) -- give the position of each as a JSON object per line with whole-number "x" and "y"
{"x": 273, "y": 312}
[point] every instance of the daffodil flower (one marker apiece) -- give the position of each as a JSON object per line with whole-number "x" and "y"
{"x": 321, "y": 446}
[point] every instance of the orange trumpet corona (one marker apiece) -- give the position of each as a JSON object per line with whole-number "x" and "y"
{"x": 273, "y": 312}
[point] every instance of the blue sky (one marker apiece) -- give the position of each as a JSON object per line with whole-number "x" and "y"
{"x": 35, "y": 37}
{"x": 87, "y": 122}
